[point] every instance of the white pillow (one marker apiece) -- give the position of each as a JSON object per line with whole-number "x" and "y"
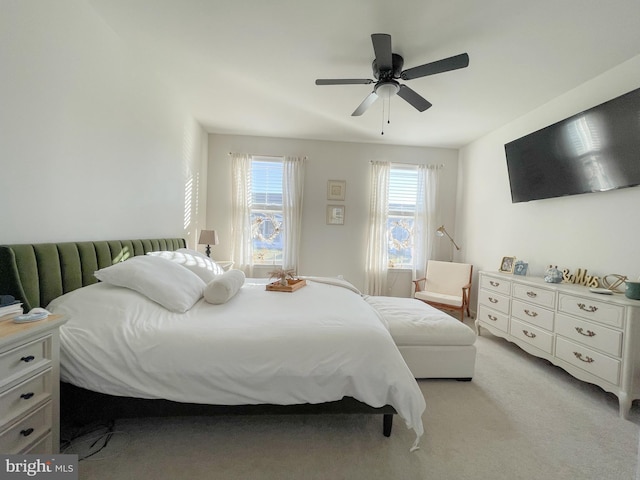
{"x": 161, "y": 280}
{"x": 192, "y": 252}
{"x": 199, "y": 264}
{"x": 222, "y": 288}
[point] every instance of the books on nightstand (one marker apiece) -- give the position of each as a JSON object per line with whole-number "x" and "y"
{"x": 9, "y": 307}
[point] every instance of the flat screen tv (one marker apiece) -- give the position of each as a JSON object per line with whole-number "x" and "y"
{"x": 593, "y": 151}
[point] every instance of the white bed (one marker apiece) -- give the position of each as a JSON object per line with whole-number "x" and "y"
{"x": 319, "y": 344}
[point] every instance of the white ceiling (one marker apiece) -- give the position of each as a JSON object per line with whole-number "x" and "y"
{"x": 248, "y": 66}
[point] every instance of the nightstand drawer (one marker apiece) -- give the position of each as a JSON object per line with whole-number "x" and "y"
{"x": 493, "y": 300}
{"x": 590, "y": 334}
{"x": 592, "y": 310}
{"x": 493, "y": 318}
{"x": 20, "y": 435}
{"x": 589, "y": 360}
{"x": 496, "y": 285}
{"x": 23, "y": 359}
{"x": 539, "y": 296}
{"x": 532, "y": 335}
{"x": 24, "y": 396}
{"x": 533, "y": 314}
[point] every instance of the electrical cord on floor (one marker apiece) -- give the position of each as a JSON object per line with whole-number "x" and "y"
{"x": 99, "y": 435}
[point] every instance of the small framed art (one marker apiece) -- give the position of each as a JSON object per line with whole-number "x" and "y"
{"x": 335, "y": 214}
{"x": 520, "y": 268}
{"x": 336, "y": 189}
{"x": 507, "y": 264}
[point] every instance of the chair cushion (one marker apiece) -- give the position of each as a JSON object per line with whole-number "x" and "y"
{"x": 447, "y": 277}
{"x": 453, "y": 300}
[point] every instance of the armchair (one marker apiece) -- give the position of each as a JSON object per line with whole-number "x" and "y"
{"x": 447, "y": 286}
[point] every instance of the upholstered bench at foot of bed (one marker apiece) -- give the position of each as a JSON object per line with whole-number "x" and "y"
{"x": 432, "y": 343}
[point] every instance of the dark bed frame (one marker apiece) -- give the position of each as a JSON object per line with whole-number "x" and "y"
{"x": 37, "y": 273}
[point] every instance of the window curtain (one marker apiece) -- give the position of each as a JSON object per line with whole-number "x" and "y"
{"x": 425, "y": 221}
{"x": 292, "y": 195}
{"x": 242, "y": 245}
{"x": 377, "y": 253}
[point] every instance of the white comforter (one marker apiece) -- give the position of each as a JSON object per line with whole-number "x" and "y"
{"x": 318, "y": 344}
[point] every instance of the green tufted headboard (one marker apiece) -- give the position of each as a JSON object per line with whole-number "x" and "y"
{"x": 37, "y": 273}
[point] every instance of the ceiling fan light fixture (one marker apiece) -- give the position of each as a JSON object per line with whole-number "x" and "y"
{"x": 387, "y": 89}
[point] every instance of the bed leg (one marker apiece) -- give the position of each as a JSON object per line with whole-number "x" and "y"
{"x": 387, "y": 423}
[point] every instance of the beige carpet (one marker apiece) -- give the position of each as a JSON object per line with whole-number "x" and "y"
{"x": 520, "y": 418}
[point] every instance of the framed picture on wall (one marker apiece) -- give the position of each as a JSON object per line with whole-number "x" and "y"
{"x": 335, "y": 214}
{"x": 336, "y": 189}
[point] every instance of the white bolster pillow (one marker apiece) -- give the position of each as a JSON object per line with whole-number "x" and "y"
{"x": 222, "y": 288}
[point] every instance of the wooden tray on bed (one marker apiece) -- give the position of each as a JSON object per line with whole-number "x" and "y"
{"x": 292, "y": 286}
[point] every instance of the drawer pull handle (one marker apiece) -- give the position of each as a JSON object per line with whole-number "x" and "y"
{"x": 494, "y": 284}
{"x": 26, "y": 432}
{"x": 27, "y": 396}
{"x": 27, "y": 359}
{"x": 532, "y": 294}
{"x": 589, "y": 309}
{"x": 493, "y": 300}
{"x": 531, "y": 314}
{"x": 492, "y": 318}
{"x": 589, "y": 333}
{"x": 587, "y": 359}
{"x": 530, "y": 335}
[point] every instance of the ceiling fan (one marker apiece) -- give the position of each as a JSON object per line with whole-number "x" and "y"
{"x": 387, "y": 69}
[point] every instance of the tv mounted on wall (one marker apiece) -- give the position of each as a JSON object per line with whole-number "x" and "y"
{"x": 592, "y": 151}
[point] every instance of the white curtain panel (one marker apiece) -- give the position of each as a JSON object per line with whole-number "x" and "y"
{"x": 292, "y": 190}
{"x": 425, "y": 221}
{"x": 242, "y": 246}
{"x": 377, "y": 254}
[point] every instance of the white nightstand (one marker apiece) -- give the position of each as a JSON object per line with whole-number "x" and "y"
{"x": 30, "y": 386}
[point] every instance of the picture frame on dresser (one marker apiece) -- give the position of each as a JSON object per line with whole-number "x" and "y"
{"x": 507, "y": 264}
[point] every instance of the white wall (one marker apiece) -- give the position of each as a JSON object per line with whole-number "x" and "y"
{"x": 92, "y": 145}
{"x": 599, "y": 232}
{"x": 327, "y": 249}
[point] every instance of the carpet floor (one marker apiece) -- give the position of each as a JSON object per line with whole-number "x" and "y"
{"x": 520, "y": 418}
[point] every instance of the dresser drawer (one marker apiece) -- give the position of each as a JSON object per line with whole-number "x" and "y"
{"x": 493, "y": 318}
{"x": 23, "y": 359}
{"x": 592, "y": 310}
{"x": 589, "y": 360}
{"x": 537, "y": 295}
{"x": 533, "y": 314}
{"x": 532, "y": 335}
{"x": 24, "y": 396}
{"x": 493, "y": 300}
{"x": 592, "y": 335}
{"x": 22, "y": 434}
{"x": 496, "y": 285}
{"x": 44, "y": 446}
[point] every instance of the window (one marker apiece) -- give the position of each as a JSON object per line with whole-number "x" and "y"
{"x": 266, "y": 210}
{"x": 403, "y": 189}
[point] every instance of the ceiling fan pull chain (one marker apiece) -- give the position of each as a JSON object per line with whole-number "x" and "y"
{"x": 382, "y": 129}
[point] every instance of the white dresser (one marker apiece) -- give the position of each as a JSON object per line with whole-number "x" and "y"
{"x": 30, "y": 386}
{"x": 594, "y": 337}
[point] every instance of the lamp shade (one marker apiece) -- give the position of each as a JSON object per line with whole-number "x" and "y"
{"x": 208, "y": 237}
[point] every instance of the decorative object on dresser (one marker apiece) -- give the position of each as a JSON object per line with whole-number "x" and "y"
{"x": 30, "y": 386}
{"x": 446, "y": 286}
{"x": 552, "y": 274}
{"x": 441, "y": 232}
{"x": 594, "y": 338}
{"x": 614, "y": 282}
{"x": 507, "y": 264}
{"x": 633, "y": 289}
{"x": 520, "y": 268}
{"x": 208, "y": 238}
{"x": 580, "y": 277}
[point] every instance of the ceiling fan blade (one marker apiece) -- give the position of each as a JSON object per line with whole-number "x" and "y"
{"x": 440, "y": 66}
{"x": 414, "y": 99}
{"x": 343, "y": 81}
{"x": 382, "y": 49}
{"x": 366, "y": 103}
